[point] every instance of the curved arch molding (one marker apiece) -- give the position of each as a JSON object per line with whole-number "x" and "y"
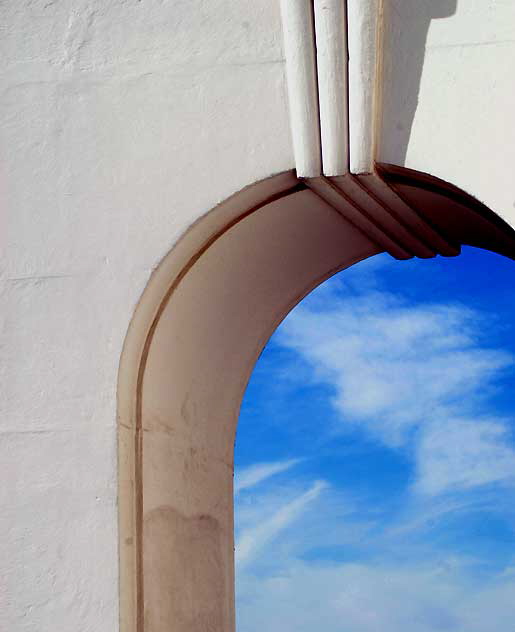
{"x": 201, "y": 323}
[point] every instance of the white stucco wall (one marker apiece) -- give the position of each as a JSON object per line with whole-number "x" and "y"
{"x": 121, "y": 123}
{"x": 449, "y": 94}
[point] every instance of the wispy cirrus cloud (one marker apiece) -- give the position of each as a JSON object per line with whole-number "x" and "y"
{"x": 251, "y": 540}
{"x": 390, "y": 586}
{"x": 255, "y": 474}
{"x": 393, "y": 585}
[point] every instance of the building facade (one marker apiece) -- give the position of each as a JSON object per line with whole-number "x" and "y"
{"x": 176, "y": 177}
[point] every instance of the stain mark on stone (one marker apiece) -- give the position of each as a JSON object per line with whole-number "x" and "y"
{"x": 184, "y": 572}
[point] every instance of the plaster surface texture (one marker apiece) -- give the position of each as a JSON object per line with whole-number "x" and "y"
{"x": 447, "y": 94}
{"x": 121, "y": 123}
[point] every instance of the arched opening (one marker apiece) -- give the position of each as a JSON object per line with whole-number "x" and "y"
{"x": 206, "y": 314}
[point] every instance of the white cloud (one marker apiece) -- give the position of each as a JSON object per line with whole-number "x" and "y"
{"x": 248, "y": 477}
{"x": 393, "y": 585}
{"x": 458, "y": 454}
{"x": 418, "y": 518}
{"x": 396, "y": 368}
{"x": 392, "y": 365}
{"x": 374, "y": 597}
{"x": 253, "y": 538}
{"x": 279, "y": 590}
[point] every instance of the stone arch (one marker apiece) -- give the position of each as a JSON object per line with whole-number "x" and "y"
{"x": 208, "y": 310}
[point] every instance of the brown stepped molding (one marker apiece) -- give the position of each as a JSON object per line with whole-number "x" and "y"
{"x": 412, "y": 214}
{"x": 412, "y": 219}
{"x": 368, "y": 202}
{"x": 362, "y": 216}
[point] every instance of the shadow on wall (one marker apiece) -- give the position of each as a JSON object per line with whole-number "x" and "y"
{"x": 406, "y": 25}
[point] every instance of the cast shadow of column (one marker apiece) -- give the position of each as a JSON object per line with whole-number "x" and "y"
{"x": 406, "y": 25}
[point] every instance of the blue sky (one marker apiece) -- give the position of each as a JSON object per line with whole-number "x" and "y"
{"x": 375, "y": 455}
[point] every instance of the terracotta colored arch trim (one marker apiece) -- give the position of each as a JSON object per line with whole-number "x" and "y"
{"x": 138, "y": 443}
{"x": 204, "y": 317}
{"x": 398, "y": 176}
